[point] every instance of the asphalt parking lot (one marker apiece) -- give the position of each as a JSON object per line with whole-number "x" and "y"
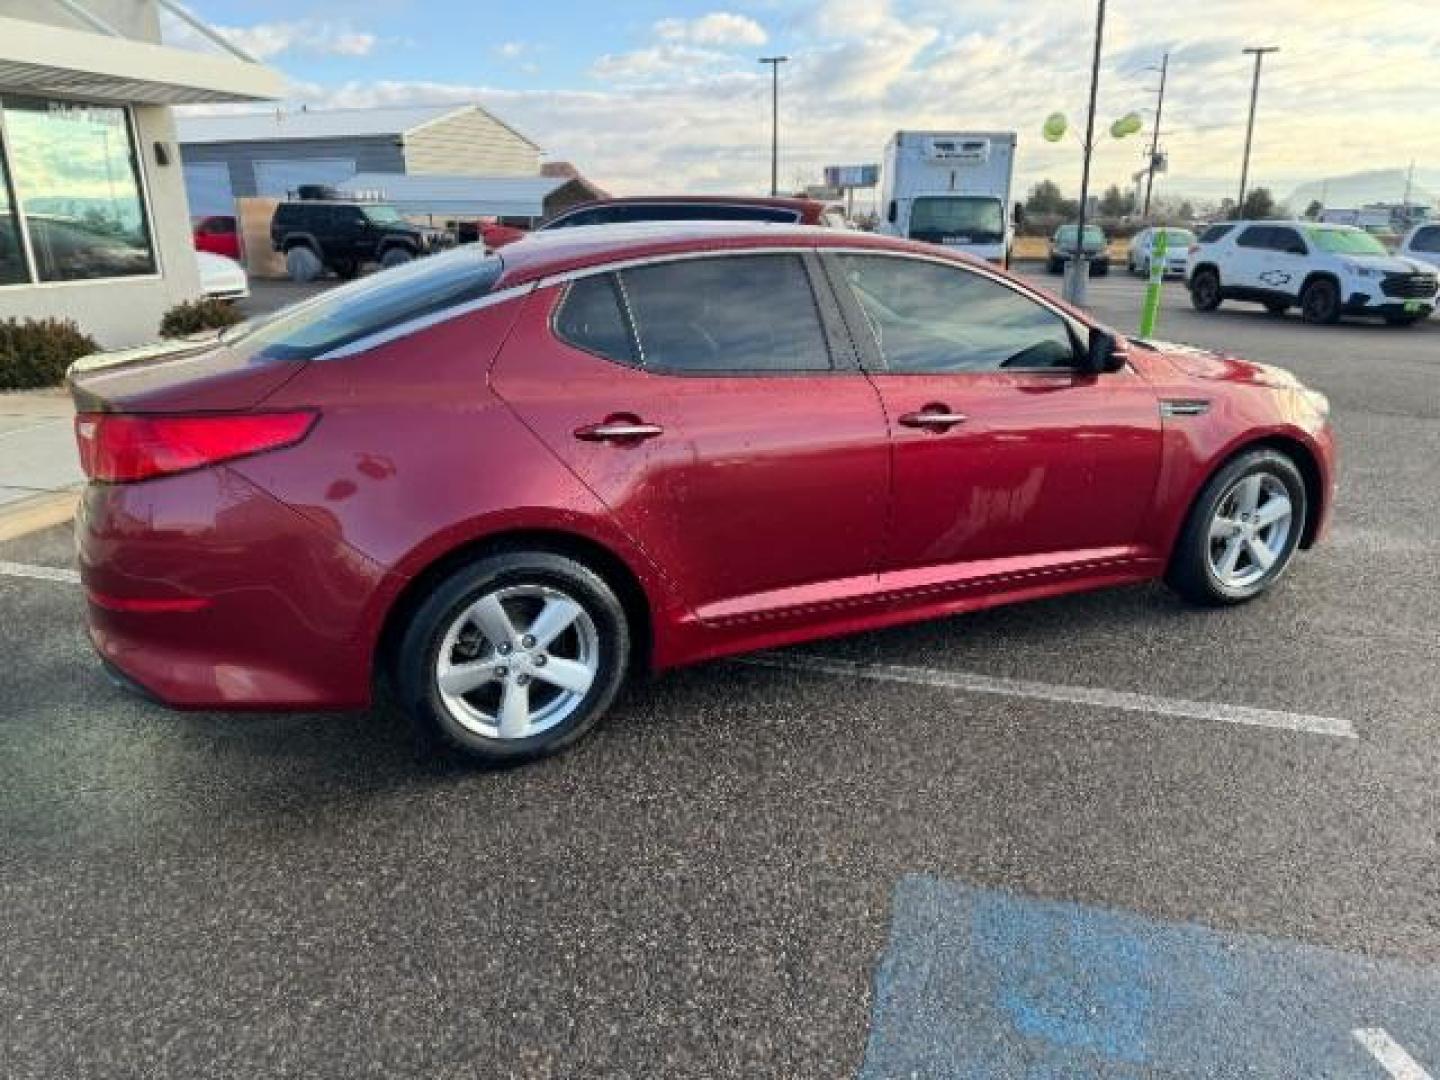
{"x": 1107, "y": 835}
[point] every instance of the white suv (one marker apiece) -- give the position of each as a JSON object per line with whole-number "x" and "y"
{"x": 1328, "y": 270}
{"x": 1423, "y": 243}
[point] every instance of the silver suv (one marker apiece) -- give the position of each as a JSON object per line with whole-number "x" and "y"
{"x": 1327, "y": 270}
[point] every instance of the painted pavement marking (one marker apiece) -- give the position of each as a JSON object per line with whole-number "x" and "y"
{"x": 1390, "y": 1054}
{"x": 39, "y": 573}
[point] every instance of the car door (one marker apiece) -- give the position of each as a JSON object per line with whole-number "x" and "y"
{"x": 1004, "y": 454}
{"x": 709, "y": 403}
{"x": 1282, "y": 261}
{"x": 1248, "y": 259}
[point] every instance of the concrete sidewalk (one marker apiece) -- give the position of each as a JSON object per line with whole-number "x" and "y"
{"x": 37, "y": 445}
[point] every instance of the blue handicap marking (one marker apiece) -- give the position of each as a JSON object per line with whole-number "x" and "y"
{"x": 984, "y": 985}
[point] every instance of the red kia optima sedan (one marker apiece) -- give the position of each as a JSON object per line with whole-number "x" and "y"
{"x": 504, "y": 482}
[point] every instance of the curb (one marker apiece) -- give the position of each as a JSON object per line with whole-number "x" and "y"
{"x": 40, "y": 512}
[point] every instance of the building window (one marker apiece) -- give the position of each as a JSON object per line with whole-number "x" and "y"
{"x": 12, "y": 253}
{"x": 77, "y": 186}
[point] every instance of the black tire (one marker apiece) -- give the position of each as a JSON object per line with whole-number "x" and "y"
{"x": 1054, "y": 266}
{"x": 417, "y": 656}
{"x": 1100, "y": 269}
{"x": 1320, "y": 302}
{"x": 1190, "y": 572}
{"x": 1205, "y": 289}
{"x": 302, "y": 264}
{"x": 345, "y": 269}
{"x": 1277, "y": 307}
{"x": 396, "y": 256}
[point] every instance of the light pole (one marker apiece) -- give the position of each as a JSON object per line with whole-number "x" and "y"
{"x": 774, "y": 62}
{"x": 1155, "y": 137}
{"x": 1077, "y": 269}
{"x": 1250, "y": 126}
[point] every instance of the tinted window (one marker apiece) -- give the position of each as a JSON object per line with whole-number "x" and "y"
{"x": 739, "y": 313}
{"x": 341, "y": 316}
{"x": 591, "y": 318}
{"x": 963, "y": 218}
{"x": 1256, "y": 236}
{"x": 933, "y": 318}
{"x": 1287, "y": 240}
{"x": 1215, "y": 232}
{"x": 1427, "y": 239}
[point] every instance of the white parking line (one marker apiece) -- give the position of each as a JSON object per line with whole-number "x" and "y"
{"x": 39, "y": 573}
{"x": 970, "y": 682}
{"x": 1390, "y": 1054}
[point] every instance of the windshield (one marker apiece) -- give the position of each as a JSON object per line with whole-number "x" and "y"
{"x": 384, "y": 299}
{"x": 1066, "y": 235}
{"x": 968, "y": 219}
{"x": 383, "y": 215}
{"x": 1178, "y": 237}
{"x": 1346, "y": 242}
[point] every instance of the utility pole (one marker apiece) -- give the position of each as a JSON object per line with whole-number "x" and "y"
{"x": 774, "y": 62}
{"x": 1078, "y": 268}
{"x": 1250, "y": 127}
{"x": 1155, "y": 136}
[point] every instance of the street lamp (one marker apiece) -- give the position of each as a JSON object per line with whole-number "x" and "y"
{"x": 774, "y": 62}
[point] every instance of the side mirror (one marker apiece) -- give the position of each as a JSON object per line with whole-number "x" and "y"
{"x": 1102, "y": 353}
{"x": 891, "y": 214}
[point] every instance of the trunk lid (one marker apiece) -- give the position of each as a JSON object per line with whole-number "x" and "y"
{"x": 176, "y": 376}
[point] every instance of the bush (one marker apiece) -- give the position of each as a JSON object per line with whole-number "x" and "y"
{"x": 197, "y": 316}
{"x": 36, "y": 352}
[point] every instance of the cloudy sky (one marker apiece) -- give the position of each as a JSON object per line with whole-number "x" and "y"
{"x": 647, "y": 95}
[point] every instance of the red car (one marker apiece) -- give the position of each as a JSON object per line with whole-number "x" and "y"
{"x": 504, "y": 482}
{"x": 219, "y": 235}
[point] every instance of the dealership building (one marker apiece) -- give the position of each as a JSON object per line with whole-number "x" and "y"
{"x": 94, "y": 223}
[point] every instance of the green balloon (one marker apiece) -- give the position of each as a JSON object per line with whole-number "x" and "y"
{"x": 1128, "y": 124}
{"x": 1055, "y": 126}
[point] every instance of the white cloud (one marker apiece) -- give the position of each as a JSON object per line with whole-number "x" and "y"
{"x": 1340, "y": 97}
{"x": 266, "y": 40}
{"x": 720, "y": 28}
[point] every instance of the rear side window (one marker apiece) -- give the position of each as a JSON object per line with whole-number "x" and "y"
{"x": 743, "y": 313}
{"x": 1427, "y": 239}
{"x": 1215, "y": 233}
{"x": 379, "y": 302}
{"x": 591, "y": 318}
{"x": 1256, "y": 236}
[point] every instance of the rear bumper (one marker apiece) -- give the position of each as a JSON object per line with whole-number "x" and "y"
{"x": 204, "y": 592}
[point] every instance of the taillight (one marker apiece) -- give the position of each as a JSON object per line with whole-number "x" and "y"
{"x": 119, "y": 448}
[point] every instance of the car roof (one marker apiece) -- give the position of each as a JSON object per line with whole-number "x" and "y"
{"x": 786, "y": 202}
{"x": 546, "y": 253}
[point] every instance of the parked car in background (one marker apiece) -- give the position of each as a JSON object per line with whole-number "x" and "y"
{"x": 1177, "y": 250}
{"x": 1064, "y": 247}
{"x": 222, "y": 278}
{"x": 1329, "y": 271}
{"x": 505, "y": 482}
{"x": 342, "y": 236}
{"x": 218, "y": 234}
{"x": 780, "y": 211}
{"x": 1422, "y": 244}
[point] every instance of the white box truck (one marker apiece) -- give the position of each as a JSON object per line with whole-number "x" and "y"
{"x": 951, "y": 188}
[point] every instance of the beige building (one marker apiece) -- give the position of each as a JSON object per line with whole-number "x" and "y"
{"x": 94, "y": 224}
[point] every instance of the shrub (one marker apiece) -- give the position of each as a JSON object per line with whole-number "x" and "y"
{"x": 197, "y": 316}
{"x": 36, "y": 352}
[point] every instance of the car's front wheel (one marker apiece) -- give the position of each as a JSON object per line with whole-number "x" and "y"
{"x": 1205, "y": 289}
{"x": 1242, "y": 532}
{"x": 396, "y": 256}
{"x": 514, "y": 656}
{"x": 1320, "y": 301}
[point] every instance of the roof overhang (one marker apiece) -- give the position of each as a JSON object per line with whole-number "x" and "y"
{"x": 36, "y": 58}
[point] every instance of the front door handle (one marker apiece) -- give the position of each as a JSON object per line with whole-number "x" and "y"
{"x": 933, "y": 417}
{"x": 619, "y": 429}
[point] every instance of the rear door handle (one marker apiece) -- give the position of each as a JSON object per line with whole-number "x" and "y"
{"x": 619, "y": 431}
{"x": 933, "y": 417}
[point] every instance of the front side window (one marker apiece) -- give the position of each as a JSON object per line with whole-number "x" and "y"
{"x": 930, "y": 318}
{"x": 960, "y": 218}
{"x": 1287, "y": 241}
{"x": 740, "y": 313}
{"x": 77, "y": 183}
{"x": 383, "y": 215}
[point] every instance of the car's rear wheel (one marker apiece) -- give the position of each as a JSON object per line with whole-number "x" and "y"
{"x": 302, "y": 264}
{"x": 514, "y": 656}
{"x": 1054, "y": 266}
{"x": 1242, "y": 532}
{"x": 1205, "y": 289}
{"x": 1320, "y": 301}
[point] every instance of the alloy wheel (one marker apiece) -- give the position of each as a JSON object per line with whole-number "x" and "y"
{"x": 1250, "y": 532}
{"x": 517, "y": 661}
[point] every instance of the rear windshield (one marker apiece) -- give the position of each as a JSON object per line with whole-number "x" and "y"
{"x": 967, "y": 218}
{"x": 382, "y": 300}
{"x": 1178, "y": 237}
{"x": 1345, "y": 241}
